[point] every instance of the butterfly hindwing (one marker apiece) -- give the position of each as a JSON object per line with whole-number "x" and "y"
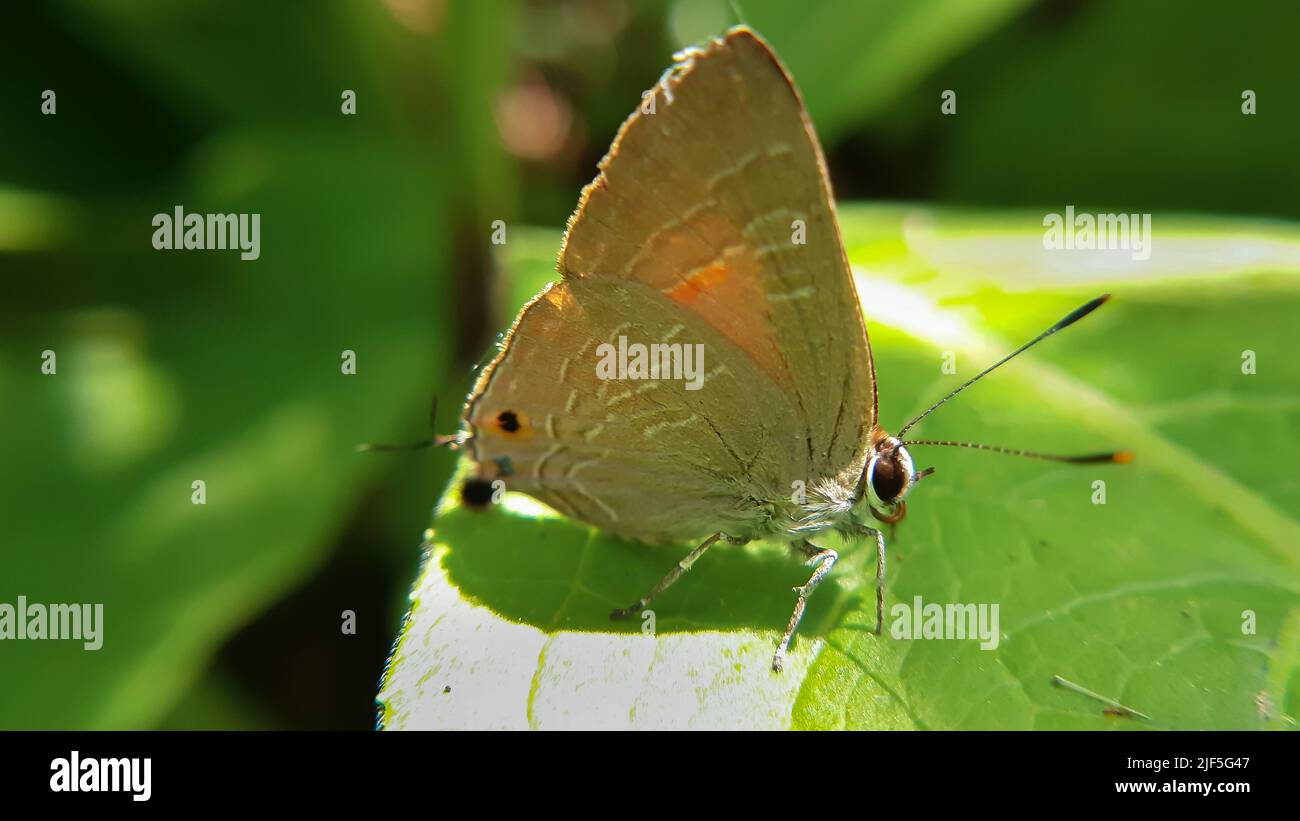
{"x": 650, "y": 459}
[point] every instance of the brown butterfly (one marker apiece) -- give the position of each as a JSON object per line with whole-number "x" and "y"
{"x": 710, "y": 224}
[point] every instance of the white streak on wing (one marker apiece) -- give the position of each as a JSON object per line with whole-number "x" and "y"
{"x": 773, "y": 248}
{"x": 650, "y": 431}
{"x": 572, "y": 471}
{"x": 718, "y": 371}
{"x": 614, "y": 400}
{"x": 775, "y": 214}
{"x": 730, "y": 251}
{"x": 798, "y": 293}
{"x": 564, "y": 366}
{"x": 703, "y": 205}
{"x": 537, "y": 466}
{"x": 740, "y": 164}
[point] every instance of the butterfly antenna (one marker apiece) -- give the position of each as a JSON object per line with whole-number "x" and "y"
{"x": 435, "y": 441}
{"x": 735, "y": 9}
{"x": 1119, "y": 457}
{"x": 1071, "y": 318}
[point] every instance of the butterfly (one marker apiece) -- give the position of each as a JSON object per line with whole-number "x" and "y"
{"x": 712, "y": 224}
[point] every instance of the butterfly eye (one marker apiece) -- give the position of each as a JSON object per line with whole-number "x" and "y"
{"x": 892, "y": 475}
{"x": 888, "y": 480}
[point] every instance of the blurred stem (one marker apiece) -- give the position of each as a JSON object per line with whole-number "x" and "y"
{"x": 474, "y": 47}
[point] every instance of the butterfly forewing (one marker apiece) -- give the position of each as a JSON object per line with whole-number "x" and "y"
{"x": 720, "y": 199}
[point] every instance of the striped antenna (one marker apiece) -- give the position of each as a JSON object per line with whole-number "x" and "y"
{"x": 1073, "y": 317}
{"x": 1119, "y": 457}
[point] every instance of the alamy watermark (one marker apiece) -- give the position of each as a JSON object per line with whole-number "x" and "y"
{"x": 952, "y": 621}
{"x": 77, "y": 774}
{"x": 1088, "y": 232}
{"x": 658, "y": 360}
{"x": 35, "y": 621}
{"x": 179, "y": 231}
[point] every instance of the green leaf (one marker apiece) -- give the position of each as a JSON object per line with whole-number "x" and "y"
{"x": 1178, "y": 597}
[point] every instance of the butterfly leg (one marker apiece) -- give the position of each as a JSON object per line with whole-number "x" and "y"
{"x": 865, "y": 530}
{"x": 673, "y": 575}
{"x": 824, "y": 558}
{"x": 880, "y": 580}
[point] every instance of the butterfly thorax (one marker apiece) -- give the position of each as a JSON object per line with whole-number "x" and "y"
{"x": 844, "y": 502}
{"x": 829, "y": 505}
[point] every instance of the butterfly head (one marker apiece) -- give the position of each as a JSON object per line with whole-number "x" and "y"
{"x": 890, "y": 474}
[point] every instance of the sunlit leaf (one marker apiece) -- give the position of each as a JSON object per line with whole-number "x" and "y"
{"x": 1145, "y": 599}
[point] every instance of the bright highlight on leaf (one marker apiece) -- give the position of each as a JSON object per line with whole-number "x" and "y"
{"x": 1138, "y": 600}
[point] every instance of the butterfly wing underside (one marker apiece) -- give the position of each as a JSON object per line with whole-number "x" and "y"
{"x": 711, "y": 223}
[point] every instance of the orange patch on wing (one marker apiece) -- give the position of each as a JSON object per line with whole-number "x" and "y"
{"x": 689, "y": 289}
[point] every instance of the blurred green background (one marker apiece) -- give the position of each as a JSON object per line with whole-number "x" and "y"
{"x": 181, "y": 366}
